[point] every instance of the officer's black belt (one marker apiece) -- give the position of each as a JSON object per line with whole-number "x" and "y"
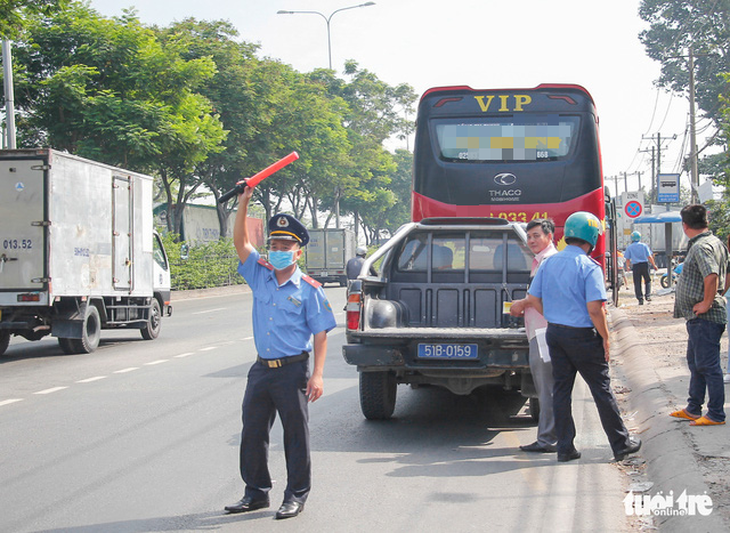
{"x": 568, "y": 327}
{"x": 278, "y": 363}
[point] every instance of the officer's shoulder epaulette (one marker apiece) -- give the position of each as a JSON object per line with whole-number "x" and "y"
{"x": 264, "y": 263}
{"x": 313, "y": 282}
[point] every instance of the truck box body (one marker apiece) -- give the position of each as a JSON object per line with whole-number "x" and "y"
{"x": 327, "y": 254}
{"x": 74, "y": 231}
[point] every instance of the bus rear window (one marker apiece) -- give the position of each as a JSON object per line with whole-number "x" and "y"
{"x": 529, "y": 138}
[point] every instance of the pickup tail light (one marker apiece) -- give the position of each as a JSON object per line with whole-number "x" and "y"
{"x": 353, "y": 311}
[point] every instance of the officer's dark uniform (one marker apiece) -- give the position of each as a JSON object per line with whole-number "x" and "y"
{"x": 284, "y": 319}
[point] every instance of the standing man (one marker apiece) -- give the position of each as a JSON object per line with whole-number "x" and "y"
{"x": 698, "y": 299}
{"x": 540, "y": 242}
{"x": 569, "y": 290}
{"x": 288, "y": 309}
{"x": 638, "y": 255}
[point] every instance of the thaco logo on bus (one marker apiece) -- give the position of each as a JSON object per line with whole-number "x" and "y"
{"x": 506, "y": 102}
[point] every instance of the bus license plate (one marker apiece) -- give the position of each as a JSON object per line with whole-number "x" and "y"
{"x": 448, "y": 351}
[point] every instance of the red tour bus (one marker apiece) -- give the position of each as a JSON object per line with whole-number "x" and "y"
{"x": 518, "y": 154}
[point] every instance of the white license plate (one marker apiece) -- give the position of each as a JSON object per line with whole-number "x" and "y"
{"x": 448, "y": 351}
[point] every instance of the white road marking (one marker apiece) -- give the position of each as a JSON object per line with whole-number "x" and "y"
{"x": 51, "y": 390}
{"x": 158, "y": 362}
{"x": 125, "y": 370}
{"x": 209, "y": 311}
{"x": 89, "y": 380}
{"x": 184, "y": 355}
{"x": 209, "y": 348}
{"x": 12, "y": 400}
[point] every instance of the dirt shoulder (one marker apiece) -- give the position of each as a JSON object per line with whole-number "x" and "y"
{"x": 649, "y": 360}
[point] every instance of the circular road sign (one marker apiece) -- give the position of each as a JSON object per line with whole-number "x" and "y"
{"x": 633, "y": 209}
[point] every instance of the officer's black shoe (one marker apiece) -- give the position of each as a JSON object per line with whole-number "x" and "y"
{"x": 247, "y": 503}
{"x": 289, "y": 510}
{"x": 565, "y": 457}
{"x": 633, "y": 447}
{"x": 648, "y": 298}
{"x": 641, "y": 302}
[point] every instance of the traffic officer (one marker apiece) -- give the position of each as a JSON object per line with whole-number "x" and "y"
{"x": 570, "y": 292}
{"x": 638, "y": 256}
{"x": 288, "y": 309}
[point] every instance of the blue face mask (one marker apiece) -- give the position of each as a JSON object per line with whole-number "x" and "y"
{"x": 280, "y": 260}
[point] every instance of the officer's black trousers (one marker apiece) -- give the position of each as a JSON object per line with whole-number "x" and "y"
{"x": 272, "y": 390}
{"x": 580, "y": 350}
{"x": 641, "y": 272}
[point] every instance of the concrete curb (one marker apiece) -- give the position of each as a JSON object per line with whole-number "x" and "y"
{"x": 671, "y": 463}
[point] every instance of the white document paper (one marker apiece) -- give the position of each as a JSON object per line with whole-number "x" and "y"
{"x": 542, "y": 346}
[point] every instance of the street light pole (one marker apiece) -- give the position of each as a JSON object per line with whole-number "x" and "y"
{"x": 327, "y": 21}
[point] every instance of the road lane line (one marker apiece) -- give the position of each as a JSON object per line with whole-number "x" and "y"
{"x": 11, "y": 400}
{"x": 158, "y": 362}
{"x": 247, "y": 338}
{"x": 51, "y": 390}
{"x": 209, "y": 348}
{"x": 209, "y": 311}
{"x": 184, "y": 354}
{"x": 125, "y": 370}
{"x": 89, "y": 380}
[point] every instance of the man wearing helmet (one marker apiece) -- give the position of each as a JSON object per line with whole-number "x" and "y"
{"x": 570, "y": 292}
{"x": 638, "y": 256}
{"x": 354, "y": 265}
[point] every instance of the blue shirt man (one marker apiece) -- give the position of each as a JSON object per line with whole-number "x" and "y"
{"x": 569, "y": 290}
{"x": 289, "y": 309}
{"x": 638, "y": 256}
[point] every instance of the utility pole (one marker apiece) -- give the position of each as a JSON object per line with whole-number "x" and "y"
{"x": 657, "y": 169}
{"x": 9, "y": 95}
{"x": 694, "y": 174}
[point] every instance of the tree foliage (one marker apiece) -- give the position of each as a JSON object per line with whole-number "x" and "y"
{"x": 194, "y": 106}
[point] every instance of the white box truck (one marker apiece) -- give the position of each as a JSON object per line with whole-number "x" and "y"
{"x": 327, "y": 254}
{"x": 78, "y": 251}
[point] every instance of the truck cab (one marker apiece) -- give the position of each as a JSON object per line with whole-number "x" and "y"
{"x": 437, "y": 313}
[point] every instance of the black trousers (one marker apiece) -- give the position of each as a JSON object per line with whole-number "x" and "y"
{"x": 580, "y": 350}
{"x": 272, "y": 390}
{"x": 641, "y": 271}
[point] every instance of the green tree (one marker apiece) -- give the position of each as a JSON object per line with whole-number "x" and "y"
{"x": 13, "y": 13}
{"x": 118, "y": 92}
{"x": 677, "y": 25}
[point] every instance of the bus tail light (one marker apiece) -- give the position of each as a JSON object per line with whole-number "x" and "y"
{"x": 353, "y": 311}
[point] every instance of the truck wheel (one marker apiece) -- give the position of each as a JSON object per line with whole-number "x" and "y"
{"x": 91, "y": 333}
{"x": 534, "y": 409}
{"x": 151, "y": 329}
{"x": 4, "y": 341}
{"x": 377, "y": 394}
{"x": 664, "y": 280}
{"x": 66, "y": 345}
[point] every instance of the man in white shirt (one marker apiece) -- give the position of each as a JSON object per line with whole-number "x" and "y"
{"x": 540, "y": 241}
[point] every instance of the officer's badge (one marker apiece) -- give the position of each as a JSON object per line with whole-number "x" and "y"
{"x": 327, "y": 305}
{"x": 294, "y": 301}
{"x": 282, "y": 222}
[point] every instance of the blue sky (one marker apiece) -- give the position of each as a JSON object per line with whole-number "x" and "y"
{"x": 428, "y": 43}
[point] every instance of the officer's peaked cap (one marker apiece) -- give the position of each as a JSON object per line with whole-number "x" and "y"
{"x": 288, "y": 228}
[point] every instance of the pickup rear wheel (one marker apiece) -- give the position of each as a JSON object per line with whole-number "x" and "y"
{"x": 151, "y": 329}
{"x": 377, "y": 394}
{"x": 4, "y": 341}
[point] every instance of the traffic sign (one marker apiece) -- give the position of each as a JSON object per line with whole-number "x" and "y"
{"x": 633, "y": 209}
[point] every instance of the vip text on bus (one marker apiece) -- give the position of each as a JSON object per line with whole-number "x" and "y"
{"x": 518, "y": 154}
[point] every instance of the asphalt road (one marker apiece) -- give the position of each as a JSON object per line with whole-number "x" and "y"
{"x": 142, "y": 436}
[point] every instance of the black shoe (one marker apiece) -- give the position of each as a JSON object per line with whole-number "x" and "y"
{"x": 565, "y": 457}
{"x": 289, "y": 510}
{"x": 247, "y": 503}
{"x": 633, "y": 447}
{"x": 641, "y": 302}
{"x": 538, "y": 448}
{"x": 648, "y": 298}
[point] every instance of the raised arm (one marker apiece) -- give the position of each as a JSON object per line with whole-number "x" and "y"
{"x": 241, "y": 239}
